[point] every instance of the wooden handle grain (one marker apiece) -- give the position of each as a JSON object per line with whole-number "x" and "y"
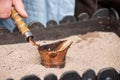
{"x": 19, "y": 21}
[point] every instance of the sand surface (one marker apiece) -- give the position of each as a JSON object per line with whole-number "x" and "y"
{"x": 94, "y": 50}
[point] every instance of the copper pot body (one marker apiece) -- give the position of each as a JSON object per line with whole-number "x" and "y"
{"x": 52, "y": 56}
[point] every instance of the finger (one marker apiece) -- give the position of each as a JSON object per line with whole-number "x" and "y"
{"x": 5, "y": 8}
{"x": 18, "y": 4}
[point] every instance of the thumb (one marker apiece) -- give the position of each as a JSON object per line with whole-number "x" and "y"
{"x": 18, "y": 4}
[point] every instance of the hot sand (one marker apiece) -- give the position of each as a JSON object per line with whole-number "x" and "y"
{"x": 94, "y": 50}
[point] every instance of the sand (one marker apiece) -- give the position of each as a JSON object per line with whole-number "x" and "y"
{"x": 94, "y": 50}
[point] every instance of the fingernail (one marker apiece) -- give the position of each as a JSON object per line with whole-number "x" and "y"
{"x": 25, "y": 14}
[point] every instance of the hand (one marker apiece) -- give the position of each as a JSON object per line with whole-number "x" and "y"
{"x": 6, "y": 5}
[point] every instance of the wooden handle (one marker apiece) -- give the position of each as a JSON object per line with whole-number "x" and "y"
{"x": 19, "y": 22}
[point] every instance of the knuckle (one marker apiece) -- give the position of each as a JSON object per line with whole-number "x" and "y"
{"x": 5, "y": 14}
